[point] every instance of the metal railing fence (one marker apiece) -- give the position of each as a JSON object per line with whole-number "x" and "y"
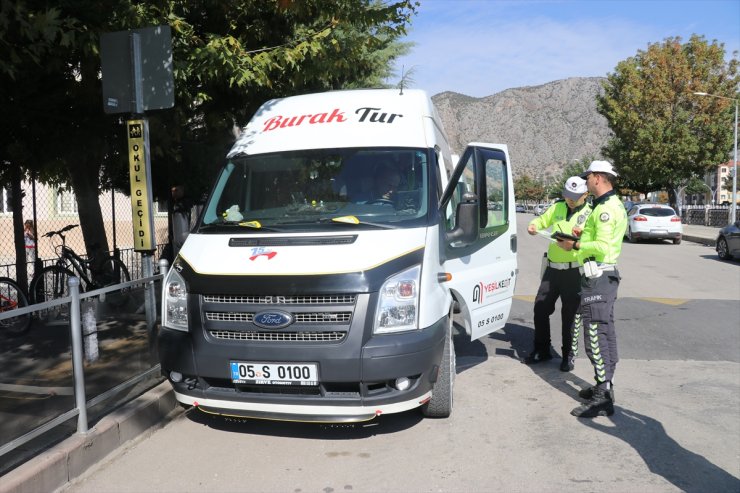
{"x": 108, "y": 353}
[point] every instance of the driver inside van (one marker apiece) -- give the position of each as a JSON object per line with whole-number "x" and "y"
{"x": 385, "y": 184}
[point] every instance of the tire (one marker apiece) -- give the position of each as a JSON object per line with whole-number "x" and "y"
{"x": 114, "y": 271}
{"x": 677, "y": 241}
{"x": 50, "y": 283}
{"x": 440, "y": 405}
{"x": 722, "y": 250}
{"x": 630, "y": 238}
{"x": 12, "y": 297}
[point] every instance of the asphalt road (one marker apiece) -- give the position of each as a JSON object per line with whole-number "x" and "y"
{"x": 676, "y": 425}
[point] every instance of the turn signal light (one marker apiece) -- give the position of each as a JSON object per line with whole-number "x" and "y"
{"x": 640, "y": 218}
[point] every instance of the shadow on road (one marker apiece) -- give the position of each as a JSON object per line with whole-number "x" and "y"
{"x": 686, "y": 470}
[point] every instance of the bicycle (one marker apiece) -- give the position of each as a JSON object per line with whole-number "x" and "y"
{"x": 12, "y": 297}
{"x": 50, "y": 283}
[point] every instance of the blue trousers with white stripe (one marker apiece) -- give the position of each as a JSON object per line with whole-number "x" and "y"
{"x": 597, "y": 317}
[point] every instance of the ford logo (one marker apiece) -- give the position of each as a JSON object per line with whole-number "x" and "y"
{"x": 272, "y": 319}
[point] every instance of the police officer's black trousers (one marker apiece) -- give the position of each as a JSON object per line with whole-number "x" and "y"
{"x": 563, "y": 284}
{"x": 597, "y": 315}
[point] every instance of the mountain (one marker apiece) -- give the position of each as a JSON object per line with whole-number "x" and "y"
{"x": 545, "y": 127}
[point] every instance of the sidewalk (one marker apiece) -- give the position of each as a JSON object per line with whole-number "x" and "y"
{"x": 706, "y": 235}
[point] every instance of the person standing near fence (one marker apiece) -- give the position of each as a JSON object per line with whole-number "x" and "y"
{"x": 29, "y": 238}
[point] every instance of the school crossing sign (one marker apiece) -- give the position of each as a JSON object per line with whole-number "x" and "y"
{"x": 141, "y": 188}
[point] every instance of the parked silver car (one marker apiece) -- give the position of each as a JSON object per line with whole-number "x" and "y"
{"x": 728, "y": 241}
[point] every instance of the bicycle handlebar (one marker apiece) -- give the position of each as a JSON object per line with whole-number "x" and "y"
{"x": 63, "y": 230}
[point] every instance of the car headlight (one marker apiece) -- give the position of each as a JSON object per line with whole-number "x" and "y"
{"x": 398, "y": 303}
{"x": 175, "y": 302}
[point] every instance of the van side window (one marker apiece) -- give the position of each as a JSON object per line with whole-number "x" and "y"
{"x": 465, "y": 184}
{"x": 496, "y": 202}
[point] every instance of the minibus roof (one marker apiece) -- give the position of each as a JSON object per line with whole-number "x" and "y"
{"x": 351, "y": 118}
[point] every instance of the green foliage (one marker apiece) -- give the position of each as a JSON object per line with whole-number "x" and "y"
{"x": 229, "y": 57}
{"x": 663, "y": 133}
{"x": 528, "y": 189}
{"x": 695, "y": 186}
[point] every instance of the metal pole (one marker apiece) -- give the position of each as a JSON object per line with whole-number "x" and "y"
{"x": 147, "y": 270}
{"x": 77, "y": 354}
{"x": 734, "y": 174}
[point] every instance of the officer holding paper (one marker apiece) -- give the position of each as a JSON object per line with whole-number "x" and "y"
{"x": 561, "y": 278}
{"x": 598, "y": 250}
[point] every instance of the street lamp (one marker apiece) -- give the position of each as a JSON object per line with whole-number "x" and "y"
{"x": 734, "y": 161}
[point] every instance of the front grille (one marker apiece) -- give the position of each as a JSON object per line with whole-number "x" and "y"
{"x": 303, "y": 318}
{"x": 282, "y": 300}
{"x": 230, "y": 335}
{"x": 319, "y": 319}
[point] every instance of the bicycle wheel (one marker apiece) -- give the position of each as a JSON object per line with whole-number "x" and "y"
{"x": 12, "y": 297}
{"x": 50, "y": 283}
{"x": 114, "y": 271}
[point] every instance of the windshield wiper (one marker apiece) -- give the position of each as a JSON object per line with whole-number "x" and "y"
{"x": 353, "y": 220}
{"x": 255, "y": 225}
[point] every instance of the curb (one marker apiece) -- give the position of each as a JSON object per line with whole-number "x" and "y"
{"x": 67, "y": 460}
{"x": 699, "y": 239}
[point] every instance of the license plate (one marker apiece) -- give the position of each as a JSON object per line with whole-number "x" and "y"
{"x": 274, "y": 373}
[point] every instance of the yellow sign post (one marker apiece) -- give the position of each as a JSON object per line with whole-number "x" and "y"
{"x": 141, "y": 185}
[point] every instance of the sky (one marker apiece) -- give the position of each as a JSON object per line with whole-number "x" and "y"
{"x": 482, "y": 47}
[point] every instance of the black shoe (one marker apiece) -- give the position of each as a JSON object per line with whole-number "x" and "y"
{"x": 600, "y": 404}
{"x": 567, "y": 364}
{"x": 537, "y": 357}
{"x": 588, "y": 393}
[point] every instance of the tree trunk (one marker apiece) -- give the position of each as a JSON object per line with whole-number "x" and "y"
{"x": 16, "y": 204}
{"x": 87, "y": 191}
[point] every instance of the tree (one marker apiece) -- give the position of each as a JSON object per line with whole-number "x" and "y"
{"x": 229, "y": 57}
{"x": 663, "y": 133}
{"x": 527, "y": 189}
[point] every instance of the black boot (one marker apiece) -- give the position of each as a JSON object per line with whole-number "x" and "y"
{"x": 600, "y": 404}
{"x": 537, "y": 356}
{"x": 568, "y": 362}
{"x": 588, "y": 393}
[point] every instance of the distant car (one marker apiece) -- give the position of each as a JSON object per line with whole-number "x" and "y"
{"x": 653, "y": 221}
{"x": 540, "y": 208}
{"x": 521, "y": 208}
{"x": 728, "y": 241}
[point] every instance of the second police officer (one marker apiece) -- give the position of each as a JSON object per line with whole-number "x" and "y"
{"x": 598, "y": 248}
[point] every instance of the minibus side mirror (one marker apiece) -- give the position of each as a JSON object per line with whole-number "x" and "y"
{"x": 466, "y": 222}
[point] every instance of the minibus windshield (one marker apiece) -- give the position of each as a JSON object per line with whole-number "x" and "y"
{"x": 322, "y": 190}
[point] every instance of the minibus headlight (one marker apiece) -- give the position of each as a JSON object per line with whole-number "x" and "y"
{"x": 175, "y": 302}
{"x": 398, "y": 303}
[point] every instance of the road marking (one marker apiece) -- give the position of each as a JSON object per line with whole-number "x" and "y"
{"x": 525, "y": 297}
{"x": 666, "y": 301}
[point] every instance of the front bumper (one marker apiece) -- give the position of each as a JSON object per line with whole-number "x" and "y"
{"x": 356, "y": 375}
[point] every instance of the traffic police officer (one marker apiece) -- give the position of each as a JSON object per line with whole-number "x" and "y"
{"x": 598, "y": 248}
{"x": 561, "y": 278}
